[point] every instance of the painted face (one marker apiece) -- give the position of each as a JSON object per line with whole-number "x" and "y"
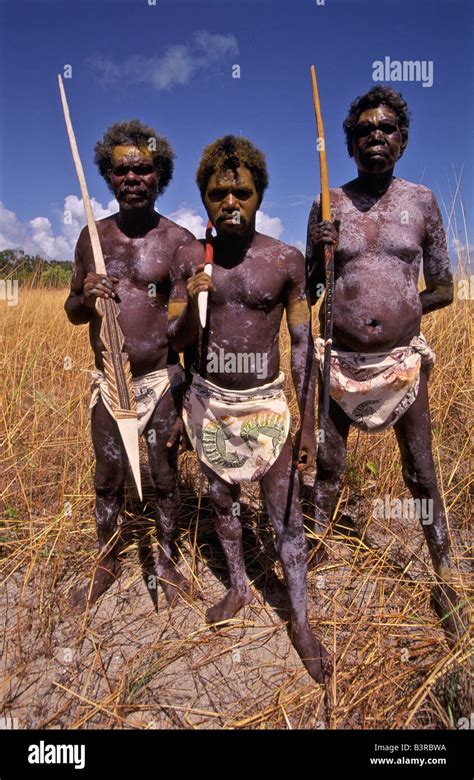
{"x": 377, "y": 141}
{"x": 134, "y": 178}
{"x": 231, "y": 202}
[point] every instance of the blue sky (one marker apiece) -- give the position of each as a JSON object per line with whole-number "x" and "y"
{"x": 170, "y": 65}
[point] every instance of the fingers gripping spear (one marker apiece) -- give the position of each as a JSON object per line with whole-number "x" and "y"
{"x": 116, "y": 363}
{"x": 328, "y": 256}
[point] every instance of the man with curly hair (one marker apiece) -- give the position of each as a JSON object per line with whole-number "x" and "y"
{"x": 235, "y": 411}
{"x": 138, "y": 244}
{"x": 383, "y": 228}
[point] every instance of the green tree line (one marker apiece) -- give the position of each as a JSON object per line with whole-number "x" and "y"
{"x": 34, "y": 270}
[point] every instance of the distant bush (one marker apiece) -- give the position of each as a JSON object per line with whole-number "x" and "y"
{"x": 35, "y": 271}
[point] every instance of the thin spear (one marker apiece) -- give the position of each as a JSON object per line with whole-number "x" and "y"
{"x": 328, "y": 255}
{"x": 116, "y": 363}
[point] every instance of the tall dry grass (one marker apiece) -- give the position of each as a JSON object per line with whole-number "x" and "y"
{"x": 126, "y": 664}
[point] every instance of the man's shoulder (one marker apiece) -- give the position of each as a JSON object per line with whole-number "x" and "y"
{"x": 176, "y": 232}
{"x": 287, "y": 258}
{"x": 277, "y": 248}
{"x": 334, "y": 194}
{"x": 189, "y": 253}
{"x": 103, "y": 226}
{"x": 410, "y": 186}
{"x": 418, "y": 194}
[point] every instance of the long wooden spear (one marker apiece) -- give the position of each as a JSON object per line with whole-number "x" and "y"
{"x": 328, "y": 254}
{"x": 208, "y": 261}
{"x": 116, "y": 363}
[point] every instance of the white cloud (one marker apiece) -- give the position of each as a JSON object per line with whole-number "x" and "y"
{"x": 271, "y": 226}
{"x": 12, "y": 232}
{"x": 176, "y": 66}
{"x": 190, "y": 219}
{"x": 299, "y": 245}
{"x": 36, "y": 236}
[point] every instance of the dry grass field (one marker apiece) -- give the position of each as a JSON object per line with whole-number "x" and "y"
{"x": 131, "y": 663}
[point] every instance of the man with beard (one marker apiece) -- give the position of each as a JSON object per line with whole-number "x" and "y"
{"x": 235, "y": 411}
{"x": 138, "y": 244}
{"x": 384, "y": 227}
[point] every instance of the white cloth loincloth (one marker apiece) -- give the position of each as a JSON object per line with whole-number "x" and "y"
{"x": 149, "y": 389}
{"x": 238, "y": 434}
{"x": 375, "y": 389}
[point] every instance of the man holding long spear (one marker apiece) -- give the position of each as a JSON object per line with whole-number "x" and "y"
{"x": 137, "y": 244}
{"x": 383, "y": 228}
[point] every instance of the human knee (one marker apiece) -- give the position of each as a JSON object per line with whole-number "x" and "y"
{"x": 165, "y": 485}
{"x": 331, "y": 462}
{"x": 109, "y": 487}
{"x": 420, "y": 478}
{"x": 291, "y": 545}
{"x": 221, "y": 497}
{"x": 229, "y": 528}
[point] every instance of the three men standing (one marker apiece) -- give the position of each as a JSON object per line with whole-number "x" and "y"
{"x": 235, "y": 411}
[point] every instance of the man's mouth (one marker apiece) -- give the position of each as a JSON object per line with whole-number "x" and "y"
{"x": 231, "y": 218}
{"x": 133, "y": 194}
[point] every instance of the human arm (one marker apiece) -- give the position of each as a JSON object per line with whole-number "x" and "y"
{"x": 187, "y": 281}
{"x": 437, "y": 272}
{"x": 86, "y": 287}
{"x": 319, "y": 233}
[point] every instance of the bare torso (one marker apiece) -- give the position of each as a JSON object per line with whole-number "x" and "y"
{"x": 142, "y": 265}
{"x": 377, "y": 266}
{"x": 246, "y": 308}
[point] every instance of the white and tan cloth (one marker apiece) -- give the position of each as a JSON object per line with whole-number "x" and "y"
{"x": 149, "y": 389}
{"x": 238, "y": 434}
{"x": 375, "y": 389}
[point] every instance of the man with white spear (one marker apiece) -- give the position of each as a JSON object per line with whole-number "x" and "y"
{"x": 120, "y": 287}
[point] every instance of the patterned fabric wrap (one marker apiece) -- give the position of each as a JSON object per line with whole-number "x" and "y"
{"x": 149, "y": 389}
{"x": 375, "y": 389}
{"x": 238, "y": 434}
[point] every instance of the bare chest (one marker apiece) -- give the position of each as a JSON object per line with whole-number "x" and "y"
{"x": 392, "y": 228}
{"x": 138, "y": 262}
{"x": 259, "y": 286}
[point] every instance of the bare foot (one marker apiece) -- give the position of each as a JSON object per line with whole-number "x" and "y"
{"x": 227, "y": 607}
{"x": 174, "y": 585}
{"x": 452, "y": 613}
{"x": 312, "y": 652}
{"x": 106, "y": 572}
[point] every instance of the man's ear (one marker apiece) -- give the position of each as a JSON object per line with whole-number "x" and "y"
{"x": 402, "y": 148}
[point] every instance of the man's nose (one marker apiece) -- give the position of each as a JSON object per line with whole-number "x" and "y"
{"x": 131, "y": 175}
{"x": 377, "y": 134}
{"x": 230, "y": 202}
